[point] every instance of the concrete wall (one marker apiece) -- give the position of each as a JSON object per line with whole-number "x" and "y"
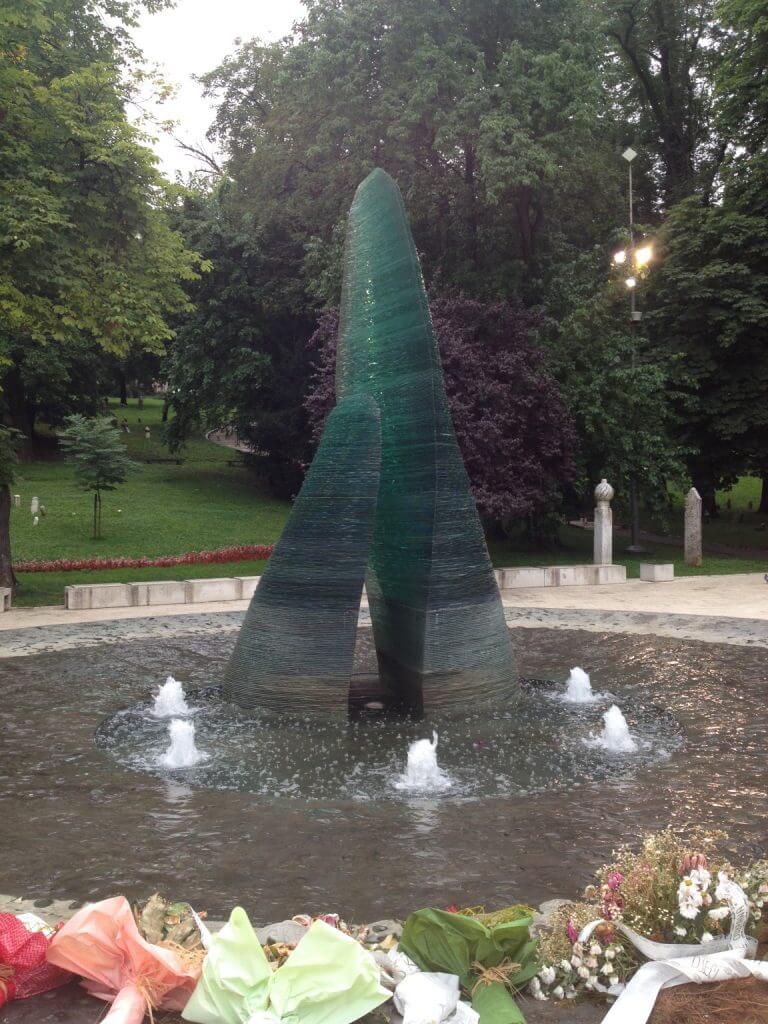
{"x": 160, "y": 592}
{"x": 239, "y": 588}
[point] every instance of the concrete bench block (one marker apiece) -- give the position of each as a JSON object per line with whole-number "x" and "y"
{"x": 98, "y": 595}
{"x": 653, "y": 572}
{"x": 610, "y": 574}
{"x": 248, "y": 586}
{"x": 571, "y": 575}
{"x": 526, "y": 576}
{"x": 5, "y": 599}
{"x": 159, "y": 592}
{"x": 223, "y": 589}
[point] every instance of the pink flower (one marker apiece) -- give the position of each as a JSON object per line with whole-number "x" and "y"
{"x": 572, "y": 932}
{"x": 614, "y": 880}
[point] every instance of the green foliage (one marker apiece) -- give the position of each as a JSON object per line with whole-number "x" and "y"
{"x": 617, "y": 389}
{"x": 88, "y": 262}
{"x": 99, "y": 458}
{"x": 710, "y": 296}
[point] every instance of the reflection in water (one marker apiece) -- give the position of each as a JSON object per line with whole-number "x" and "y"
{"x": 76, "y": 825}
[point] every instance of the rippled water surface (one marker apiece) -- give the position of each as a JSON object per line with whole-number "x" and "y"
{"x": 83, "y": 821}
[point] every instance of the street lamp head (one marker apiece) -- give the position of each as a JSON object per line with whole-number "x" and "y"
{"x": 644, "y": 255}
{"x": 629, "y": 154}
{"x": 630, "y": 282}
{"x": 620, "y": 257}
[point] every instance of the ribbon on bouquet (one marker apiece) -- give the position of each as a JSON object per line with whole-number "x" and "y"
{"x": 678, "y": 964}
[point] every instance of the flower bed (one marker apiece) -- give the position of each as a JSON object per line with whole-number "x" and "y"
{"x": 238, "y": 553}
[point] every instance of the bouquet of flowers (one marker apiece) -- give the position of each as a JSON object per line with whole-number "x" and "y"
{"x": 667, "y": 892}
{"x": 24, "y": 969}
{"x": 102, "y": 943}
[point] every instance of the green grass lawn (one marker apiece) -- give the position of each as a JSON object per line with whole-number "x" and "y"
{"x": 162, "y": 509}
{"x": 205, "y": 503}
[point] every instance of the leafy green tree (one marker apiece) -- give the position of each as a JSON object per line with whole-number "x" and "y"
{"x": 710, "y": 298}
{"x": 240, "y": 358}
{"x": 741, "y": 79}
{"x": 487, "y": 115}
{"x": 617, "y": 390}
{"x": 87, "y": 258}
{"x": 9, "y": 442}
{"x": 666, "y": 54}
{"x": 97, "y": 451}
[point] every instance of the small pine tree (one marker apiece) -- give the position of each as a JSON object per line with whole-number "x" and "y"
{"x": 98, "y": 454}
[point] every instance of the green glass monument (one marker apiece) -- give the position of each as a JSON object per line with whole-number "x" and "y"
{"x": 438, "y": 622}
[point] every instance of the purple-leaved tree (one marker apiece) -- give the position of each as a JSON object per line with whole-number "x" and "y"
{"x": 512, "y": 426}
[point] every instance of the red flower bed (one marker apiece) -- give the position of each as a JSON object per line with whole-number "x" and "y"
{"x": 240, "y": 553}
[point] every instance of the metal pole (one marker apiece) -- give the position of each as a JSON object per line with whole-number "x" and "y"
{"x": 635, "y": 548}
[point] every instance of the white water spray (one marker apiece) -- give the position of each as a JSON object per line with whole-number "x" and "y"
{"x": 169, "y": 700}
{"x": 422, "y": 772}
{"x": 578, "y": 688}
{"x": 615, "y": 737}
{"x": 182, "y": 751}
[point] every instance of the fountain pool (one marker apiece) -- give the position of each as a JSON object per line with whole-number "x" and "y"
{"x": 83, "y": 820}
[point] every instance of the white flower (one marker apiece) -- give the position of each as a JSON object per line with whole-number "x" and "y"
{"x": 591, "y": 962}
{"x": 610, "y": 954}
{"x": 595, "y": 949}
{"x": 558, "y": 993}
{"x": 719, "y": 913}
{"x": 547, "y": 975}
{"x": 570, "y": 993}
{"x": 576, "y": 961}
{"x": 565, "y": 965}
{"x": 701, "y": 877}
{"x": 583, "y": 972}
{"x": 689, "y": 898}
{"x": 707, "y": 937}
{"x": 535, "y": 986}
{"x": 578, "y": 948}
{"x": 593, "y": 980}
{"x": 681, "y": 932}
{"x": 606, "y": 969}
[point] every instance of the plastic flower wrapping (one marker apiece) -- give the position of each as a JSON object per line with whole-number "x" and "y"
{"x": 24, "y": 968}
{"x": 667, "y": 891}
{"x": 102, "y": 943}
{"x": 328, "y": 977}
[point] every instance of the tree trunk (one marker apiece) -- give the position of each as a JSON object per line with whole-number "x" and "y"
{"x": 166, "y": 406}
{"x": 763, "y": 507}
{"x": 123, "y": 388}
{"x": 7, "y": 576}
{"x": 96, "y": 515}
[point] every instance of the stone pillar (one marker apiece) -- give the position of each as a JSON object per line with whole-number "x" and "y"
{"x": 34, "y": 506}
{"x": 17, "y": 500}
{"x": 603, "y": 524}
{"x": 692, "y": 530}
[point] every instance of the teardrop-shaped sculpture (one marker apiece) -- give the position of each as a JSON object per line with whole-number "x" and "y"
{"x": 439, "y": 627}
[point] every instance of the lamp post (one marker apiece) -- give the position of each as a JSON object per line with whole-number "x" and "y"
{"x": 637, "y": 257}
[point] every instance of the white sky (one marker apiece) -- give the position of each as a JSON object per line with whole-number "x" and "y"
{"x": 191, "y": 39}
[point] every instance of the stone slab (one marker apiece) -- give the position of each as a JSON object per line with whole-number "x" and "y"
{"x": 98, "y": 595}
{"x": 248, "y": 586}
{"x": 571, "y": 575}
{"x": 608, "y": 574}
{"x": 5, "y": 599}
{"x": 522, "y": 577}
{"x": 159, "y": 592}
{"x": 657, "y": 572}
{"x": 217, "y": 589}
